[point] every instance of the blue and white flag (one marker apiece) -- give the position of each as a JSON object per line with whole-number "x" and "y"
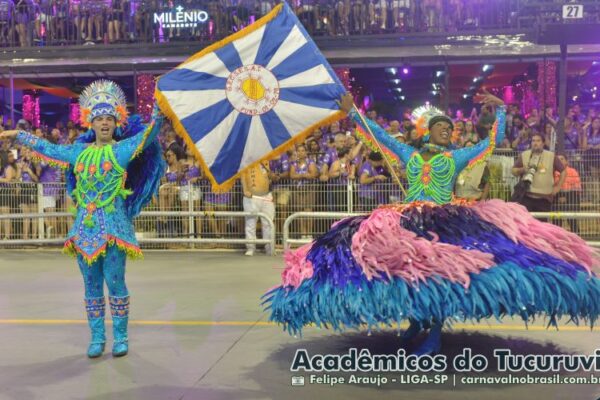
{"x": 251, "y": 95}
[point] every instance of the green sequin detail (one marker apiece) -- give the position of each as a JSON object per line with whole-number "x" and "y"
{"x": 100, "y": 179}
{"x": 436, "y": 183}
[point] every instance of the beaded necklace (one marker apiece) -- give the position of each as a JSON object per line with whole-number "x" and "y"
{"x": 100, "y": 179}
{"x": 433, "y": 177}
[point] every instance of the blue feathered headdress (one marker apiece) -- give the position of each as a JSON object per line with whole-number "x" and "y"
{"x": 143, "y": 173}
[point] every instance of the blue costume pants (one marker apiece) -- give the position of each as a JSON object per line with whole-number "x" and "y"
{"x": 110, "y": 268}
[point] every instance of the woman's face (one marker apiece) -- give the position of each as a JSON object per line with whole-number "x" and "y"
{"x": 440, "y": 133}
{"x": 459, "y": 126}
{"x": 469, "y": 126}
{"x": 414, "y": 135}
{"x": 350, "y": 141}
{"x": 596, "y": 124}
{"x": 301, "y": 152}
{"x": 548, "y": 129}
{"x": 10, "y": 157}
{"x": 314, "y": 147}
{"x": 171, "y": 158}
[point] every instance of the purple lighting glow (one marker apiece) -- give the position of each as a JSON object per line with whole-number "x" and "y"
{"x": 405, "y": 71}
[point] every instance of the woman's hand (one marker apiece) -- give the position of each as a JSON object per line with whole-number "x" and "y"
{"x": 488, "y": 99}
{"x": 346, "y": 103}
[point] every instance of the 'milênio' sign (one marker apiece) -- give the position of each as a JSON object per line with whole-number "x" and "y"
{"x": 179, "y": 18}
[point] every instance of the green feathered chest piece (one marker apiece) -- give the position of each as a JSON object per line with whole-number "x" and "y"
{"x": 431, "y": 180}
{"x": 100, "y": 180}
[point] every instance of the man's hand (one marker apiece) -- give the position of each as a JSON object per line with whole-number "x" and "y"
{"x": 8, "y": 135}
{"x": 346, "y": 103}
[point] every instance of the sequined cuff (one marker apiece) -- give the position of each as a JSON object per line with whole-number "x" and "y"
{"x": 95, "y": 307}
{"x": 119, "y": 306}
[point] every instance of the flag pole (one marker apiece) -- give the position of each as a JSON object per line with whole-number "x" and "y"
{"x": 385, "y": 158}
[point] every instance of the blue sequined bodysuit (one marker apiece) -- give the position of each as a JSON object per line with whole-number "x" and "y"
{"x": 434, "y": 179}
{"x": 100, "y": 191}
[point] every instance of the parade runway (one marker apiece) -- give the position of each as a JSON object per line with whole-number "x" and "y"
{"x": 198, "y": 331}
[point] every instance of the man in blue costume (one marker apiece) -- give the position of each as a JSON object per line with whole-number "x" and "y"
{"x": 113, "y": 170}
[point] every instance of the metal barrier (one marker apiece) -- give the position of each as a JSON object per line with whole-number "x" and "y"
{"x": 41, "y": 241}
{"x": 287, "y": 241}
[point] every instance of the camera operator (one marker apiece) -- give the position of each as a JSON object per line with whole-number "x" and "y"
{"x": 536, "y": 168}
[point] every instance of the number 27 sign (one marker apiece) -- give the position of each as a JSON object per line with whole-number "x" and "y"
{"x": 572, "y": 11}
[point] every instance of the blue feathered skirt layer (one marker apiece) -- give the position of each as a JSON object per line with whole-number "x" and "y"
{"x": 524, "y": 282}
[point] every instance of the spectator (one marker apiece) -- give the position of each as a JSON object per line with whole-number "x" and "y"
{"x": 280, "y": 175}
{"x": 533, "y": 119}
{"x": 331, "y": 154}
{"x": 590, "y": 143}
{"x": 24, "y": 16}
{"x": 61, "y": 20}
{"x": 473, "y": 183}
{"x": 569, "y": 197}
{"x": 169, "y": 191}
{"x": 470, "y": 134}
{"x": 303, "y": 173}
{"x": 573, "y": 139}
{"x": 516, "y": 127}
{"x": 372, "y": 175}
{"x": 116, "y": 16}
{"x": 394, "y": 129}
{"x": 523, "y": 141}
{"x": 258, "y": 198}
{"x": 7, "y": 13}
{"x": 536, "y": 167}
{"x": 50, "y": 178}
{"x": 217, "y": 201}
{"x": 342, "y": 171}
{"x": 28, "y": 179}
{"x": 550, "y": 136}
{"x": 8, "y": 177}
{"x": 44, "y": 18}
{"x": 190, "y": 192}
{"x": 97, "y": 9}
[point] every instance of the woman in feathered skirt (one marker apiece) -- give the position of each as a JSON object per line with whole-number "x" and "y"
{"x": 433, "y": 259}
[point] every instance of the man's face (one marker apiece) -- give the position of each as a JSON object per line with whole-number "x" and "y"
{"x": 55, "y": 133}
{"x": 395, "y": 126}
{"x": 537, "y": 143}
{"x": 518, "y": 122}
{"x": 104, "y": 126}
{"x": 339, "y": 141}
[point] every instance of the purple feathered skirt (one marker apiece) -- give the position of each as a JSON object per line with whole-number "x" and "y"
{"x": 424, "y": 262}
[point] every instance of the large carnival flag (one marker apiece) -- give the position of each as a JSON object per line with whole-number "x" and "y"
{"x": 250, "y": 96}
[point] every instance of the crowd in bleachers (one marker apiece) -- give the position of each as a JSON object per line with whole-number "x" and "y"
{"x": 58, "y": 22}
{"x": 330, "y": 171}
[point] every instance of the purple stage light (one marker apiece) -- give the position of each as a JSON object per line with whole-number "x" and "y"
{"x": 405, "y": 71}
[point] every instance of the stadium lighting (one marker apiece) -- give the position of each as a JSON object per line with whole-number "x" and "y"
{"x": 487, "y": 67}
{"x": 392, "y": 70}
{"x": 405, "y": 70}
{"x": 439, "y": 73}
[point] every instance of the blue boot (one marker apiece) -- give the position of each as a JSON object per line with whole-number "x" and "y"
{"x": 433, "y": 342}
{"x": 95, "y": 312}
{"x": 119, "y": 307}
